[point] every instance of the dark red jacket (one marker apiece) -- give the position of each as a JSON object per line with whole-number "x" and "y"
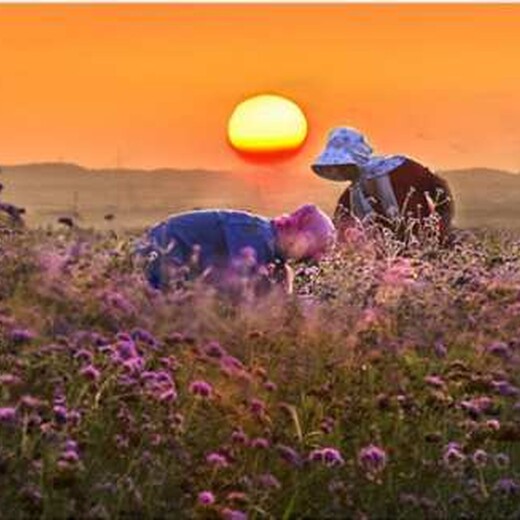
{"x": 412, "y": 183}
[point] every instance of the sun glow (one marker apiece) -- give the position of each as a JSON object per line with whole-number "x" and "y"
{"x": 267, "y": 124}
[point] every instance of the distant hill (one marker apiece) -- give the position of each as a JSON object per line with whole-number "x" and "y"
{"x": 137, "y": 198}
{"x": 485, "y": 197}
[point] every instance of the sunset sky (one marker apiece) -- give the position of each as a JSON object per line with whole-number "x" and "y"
{"x": 154, "y": 85}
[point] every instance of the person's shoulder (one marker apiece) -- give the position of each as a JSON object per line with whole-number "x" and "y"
{"x": 243, "y": 217}
{"x": 413, "y": 165}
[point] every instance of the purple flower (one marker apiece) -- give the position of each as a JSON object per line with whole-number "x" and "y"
{"x": 505, "y": 388}
{"x": 144, "y": 336}
{"x": 168, "y": 395}
{"x": 126, "y": 349}
{"x": 329, "y": 456}
{"x": 7, "y": 414}
{"x": 217, "y": 460}
{"x": 10, "y": 380}
{"x": 70, "y": 456}
{"x": 440, "y": 349}
{"x": 60, "y": 413}
{"x": 435, "y": 381}
{"x": 31, "y": 402}
{"x": 327, "y": 425}
{"x": 74, "y": 417}
{"x": 260, "y": 443}
{"x": 269, "y": 481}
{"x": 479, "y": 458}
{"x": 90, "y": 372}
{"x": 453, "y": 456}
{"x": 22, "y": 336}
{"x": 206, "y": 498}
{"x": 163, "y": 377}
{"x": 231, "y": 363}
{"x": 499, "y": 349}
{"x": 84, "y": 355}
{"x": 372, "y": 459}
{"x": 201, "y": 388}
{"x": 289, "y": 455}
{"x": 493, "y": 424}
{"x": 257, "y": 406}
{"x": 270, "y": 386}
{"x": 239, "y": 437}
{"x": 501, "y": 460}
{"x": 71, "y": 445}
{"x": 506, "y": 487}
{"x": 134, "y": 365}
{"x": 233, "y": 514}
{"x": 477, "y": 406}
{"x": 214, "y": 349}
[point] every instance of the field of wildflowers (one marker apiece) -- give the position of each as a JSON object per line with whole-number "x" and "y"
{"x": 386, "y": 386}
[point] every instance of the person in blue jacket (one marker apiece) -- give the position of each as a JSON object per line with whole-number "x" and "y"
{"x": 217, "y": 240}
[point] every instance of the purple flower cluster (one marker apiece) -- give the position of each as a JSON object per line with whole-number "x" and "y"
{"x": 372, "y": 459}
{"x": 327, "y": 456}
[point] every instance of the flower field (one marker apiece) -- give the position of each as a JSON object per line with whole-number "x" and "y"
{"x": 386, "y": 386}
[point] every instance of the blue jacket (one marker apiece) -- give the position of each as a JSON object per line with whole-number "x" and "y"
{"x": 220, "y": 234}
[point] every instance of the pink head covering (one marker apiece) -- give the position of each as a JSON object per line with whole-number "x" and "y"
{"x": 310, "y": 224}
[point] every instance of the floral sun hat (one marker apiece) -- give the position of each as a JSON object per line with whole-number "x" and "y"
{"x": 348, "y": 146}
{"x": 344, "y": 146}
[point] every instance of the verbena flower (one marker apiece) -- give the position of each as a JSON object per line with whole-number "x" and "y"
{"x": 22, "y": 335}
{"x": 289, "y": 455}
{"x": 233, "y": 514}
{"x": 507, "y": 487}
{"x": 239, "y": 437}
{"x": 7, "y": 414}
{"x": 217, "y": 460}
{"x": 206, "y": 498}
{"x": 499, "y": 349}
{"x": 201, "y": 388}
{"x": 214, "y": 349}
{"x": 257, "y": 406}
{"x": 90, "y": 372}
{"x": 269, "y": 481}
{"x": 330, "y": 456}
{"x": 372, "y": 459}
{"x": 501, "y": 460}
{"x": 260, "y": 443}
{"x": 480, "y": 458}
{"x": 10, "y": 380}
{"x": 453, "y": 456}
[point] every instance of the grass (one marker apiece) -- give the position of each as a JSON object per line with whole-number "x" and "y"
{"x": 405, "y": 351}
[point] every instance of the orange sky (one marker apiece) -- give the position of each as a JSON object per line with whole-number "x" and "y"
{"x": 158, "y": 82}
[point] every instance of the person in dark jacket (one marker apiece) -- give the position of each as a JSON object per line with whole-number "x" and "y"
{"x": 217, "y": 241}
{"x": 386, "y": 189}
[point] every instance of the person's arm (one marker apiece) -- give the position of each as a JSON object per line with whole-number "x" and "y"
{"x": 360, "y": 204}
{"x": 288, "y": 281}
{"x": 282, "y": 275}
{"x": 386, "y": 196}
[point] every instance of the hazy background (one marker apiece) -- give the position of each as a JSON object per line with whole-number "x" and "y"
{"x": 126, "y": 88}
{"x": 138, "y": 198}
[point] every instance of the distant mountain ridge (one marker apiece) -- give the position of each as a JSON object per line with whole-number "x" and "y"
{"x": 483, "y": 196}
{"x": 73, "y": 167}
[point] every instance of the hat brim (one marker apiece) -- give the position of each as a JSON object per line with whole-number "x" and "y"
{"x": 334, "y": 172}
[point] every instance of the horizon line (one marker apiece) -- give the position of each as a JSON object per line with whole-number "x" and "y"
{"x": 202, "y": 169}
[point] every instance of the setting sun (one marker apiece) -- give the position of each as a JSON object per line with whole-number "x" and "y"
{"x": 267, "y": 124}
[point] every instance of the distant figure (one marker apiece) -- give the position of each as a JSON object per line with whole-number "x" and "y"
{"x": 109, "y": 217}
{"x": 219, "y": 241}
{"x": 13, "y": 214}
{"x": 382, "y": 188}
{"x": 66, "y": 221}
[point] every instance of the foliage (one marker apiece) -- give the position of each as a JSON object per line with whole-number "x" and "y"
{"x": 385, "y": 387}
